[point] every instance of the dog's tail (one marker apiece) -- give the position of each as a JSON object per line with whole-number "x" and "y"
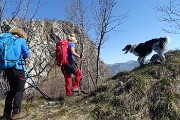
{"x": 167, "y": 40}
{"x": 162, "y": 42}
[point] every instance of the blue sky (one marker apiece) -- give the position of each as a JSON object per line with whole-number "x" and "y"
{"x": 141, "y": 25}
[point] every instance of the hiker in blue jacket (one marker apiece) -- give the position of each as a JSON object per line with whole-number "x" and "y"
{"x": 16, "y": 76}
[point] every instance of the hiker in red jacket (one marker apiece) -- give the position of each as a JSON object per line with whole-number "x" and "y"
{"x": 71, "y": 68}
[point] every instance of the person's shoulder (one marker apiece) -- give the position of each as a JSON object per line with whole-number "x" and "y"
{"x": 6, "y": 35}
{"x": 20, "y": 40}
{"x": 71, "y": 44}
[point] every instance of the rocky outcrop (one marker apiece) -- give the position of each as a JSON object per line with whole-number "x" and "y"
{"x": 42, "y": 39}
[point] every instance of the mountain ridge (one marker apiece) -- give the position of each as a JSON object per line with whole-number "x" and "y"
{"x": 120, "y": 67}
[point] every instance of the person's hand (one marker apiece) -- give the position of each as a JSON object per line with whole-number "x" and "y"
{"x": 83, "y": 58}
{"x": 27, "y": 61}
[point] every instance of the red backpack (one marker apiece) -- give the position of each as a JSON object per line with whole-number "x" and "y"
{"x": 62, "y": 53}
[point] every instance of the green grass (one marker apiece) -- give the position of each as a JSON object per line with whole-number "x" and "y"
{"x": 145, "y": 93}
{"x": 151, "y": 92}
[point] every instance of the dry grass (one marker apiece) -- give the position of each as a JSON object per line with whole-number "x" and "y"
{"x": 147, "y": 93}
{"x": 69, "y": 109}
{"x": 151, "y": 92}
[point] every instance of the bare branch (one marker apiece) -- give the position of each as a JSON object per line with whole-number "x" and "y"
{"x": 171, "y": 15}
{"x": 14, "y": 14}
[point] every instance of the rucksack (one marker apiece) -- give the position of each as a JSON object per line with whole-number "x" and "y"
{"x": 62, "y": 53}
{"x": 7, "y": 56}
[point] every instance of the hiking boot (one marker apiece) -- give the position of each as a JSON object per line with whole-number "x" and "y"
{"x": 74, "y": 94}
{"x": 75, "y": 90}
{"x": 6, "y": 116}
{"x": 18, "y": 116}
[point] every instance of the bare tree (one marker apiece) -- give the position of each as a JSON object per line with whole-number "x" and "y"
{"x": 171, "y": 15}
{"x": 78, "y": 15}
{"x": 105, "y": 22}
{"x": 77, "y": 12}
{"x": 16, "y": 9}
{"x": 101, "y": 15}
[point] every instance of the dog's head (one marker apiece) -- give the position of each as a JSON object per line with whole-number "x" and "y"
{"x": 127, "y": 48}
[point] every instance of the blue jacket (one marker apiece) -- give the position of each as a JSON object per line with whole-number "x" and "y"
{"x": 21, "y": 53}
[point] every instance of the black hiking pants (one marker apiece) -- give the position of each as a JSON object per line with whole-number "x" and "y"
{"x": 17, "y": 80}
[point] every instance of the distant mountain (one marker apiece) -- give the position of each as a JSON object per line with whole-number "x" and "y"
{"x": 119, "y": 67}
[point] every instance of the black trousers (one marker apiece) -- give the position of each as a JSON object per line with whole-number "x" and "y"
{"x": 70, "y": 68}
{"x": 17, "y": 80}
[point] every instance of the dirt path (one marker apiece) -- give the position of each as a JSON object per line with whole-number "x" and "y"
{"x": 72, "y": 108}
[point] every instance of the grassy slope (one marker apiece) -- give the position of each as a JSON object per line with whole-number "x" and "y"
{"x": 148, "y": 93}
{"x": 151, "y": 92}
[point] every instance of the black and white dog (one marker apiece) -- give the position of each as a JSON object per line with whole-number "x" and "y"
{"x": 144, "y": 49}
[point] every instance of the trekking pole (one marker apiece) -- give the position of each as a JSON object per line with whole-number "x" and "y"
{"x": 37, "y": 88}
